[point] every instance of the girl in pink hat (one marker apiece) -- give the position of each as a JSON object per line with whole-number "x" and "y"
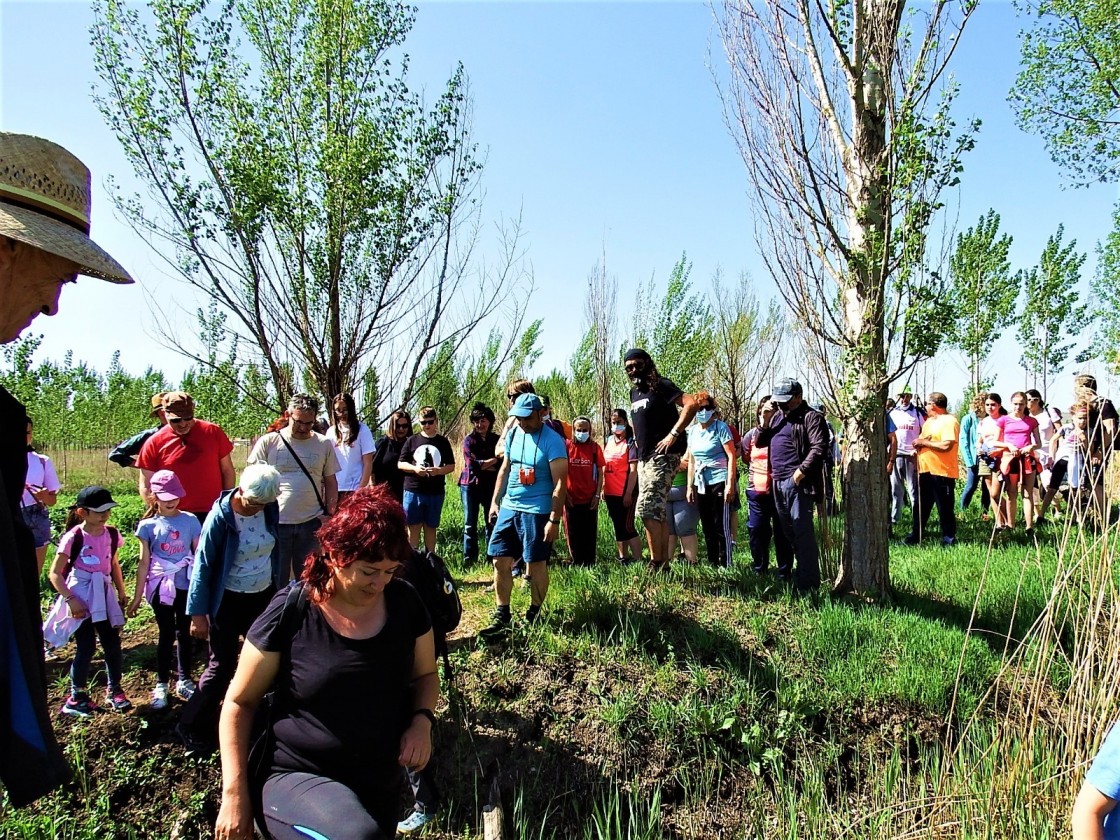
{"x": 168, "y": 542}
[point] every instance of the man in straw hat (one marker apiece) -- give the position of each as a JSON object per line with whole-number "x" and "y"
{"x": 44, "y": 243}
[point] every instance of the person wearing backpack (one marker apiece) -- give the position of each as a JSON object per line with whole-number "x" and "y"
{"x": 86, "y": 573}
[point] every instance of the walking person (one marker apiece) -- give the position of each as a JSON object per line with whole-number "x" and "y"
{"x": 763, "y": 524}
{"x": 970, "y": 454}
{"x": 86, "y": 574}
{"x": 353, "y": 446}
{"x": 908, "y": 419}
{"x": 237, "y": 570}
{"x": 661, "y": 413}
{"x": 40, "y": 493}
{"x": 937, "y": 447}
{"x": 168, "y": 544}
{"x": 584, "y": 492}
{"x": 620, "y": 485}
{"x": 528, "y": 501}
{"x": 712, "y": 477}
{"x": 308, "y": 490}
{"x": 797, "y": 438}
{"x": 426, "y": 459}
{"x": 476, "y": 481}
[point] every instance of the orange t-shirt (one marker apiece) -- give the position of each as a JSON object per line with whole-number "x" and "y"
{"x": 940, "y": 427}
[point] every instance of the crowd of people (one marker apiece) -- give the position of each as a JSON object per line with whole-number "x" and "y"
{"x": 291, "y": 572}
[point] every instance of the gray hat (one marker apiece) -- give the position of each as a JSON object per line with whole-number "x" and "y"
{"x": 785, "y": 389}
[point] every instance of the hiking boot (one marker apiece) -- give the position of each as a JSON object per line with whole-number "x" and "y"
{"x": 159, "y": 696}
{"x": 185, "y": 688}
{"x": 499, "y": 626}
{"x": 79, "y": 704}
{"x": 118, "y": 701}
{"x": 532, "y": 615}
{"x": 414, "y": 821}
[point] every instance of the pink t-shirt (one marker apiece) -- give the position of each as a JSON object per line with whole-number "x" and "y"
{"x": 1018, "y": 431}
{"x": 96, "y": 553}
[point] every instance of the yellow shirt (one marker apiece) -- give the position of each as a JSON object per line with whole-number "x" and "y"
{"x": 939, "y": 427}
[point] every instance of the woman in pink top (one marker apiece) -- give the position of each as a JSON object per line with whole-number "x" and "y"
{"x": 1020, "y": 440}
{"x": 990, "y": 430}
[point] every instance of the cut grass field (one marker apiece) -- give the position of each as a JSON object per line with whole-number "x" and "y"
{"x": 709, "y": 703}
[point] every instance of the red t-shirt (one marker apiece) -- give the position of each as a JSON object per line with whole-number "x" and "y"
{"x": 620, "y": 454}
{"x": 194, "y": 458}
{"x": 584, "y": 462}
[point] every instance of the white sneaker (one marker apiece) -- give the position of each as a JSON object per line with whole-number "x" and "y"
{"x": 159, "y": 696}
{"x": 185, "y": 689}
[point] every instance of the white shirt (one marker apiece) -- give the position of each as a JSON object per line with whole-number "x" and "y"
{"x": 350, "y": 455}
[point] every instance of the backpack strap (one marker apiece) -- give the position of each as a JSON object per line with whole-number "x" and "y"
{"x": 75, "y": 547}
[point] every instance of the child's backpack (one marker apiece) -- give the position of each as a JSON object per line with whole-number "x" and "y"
{"x": 431, "y": 580}
{"x": 80, "y": 541}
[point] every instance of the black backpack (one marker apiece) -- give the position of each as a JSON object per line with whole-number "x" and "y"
{"x": 431, "y": 580}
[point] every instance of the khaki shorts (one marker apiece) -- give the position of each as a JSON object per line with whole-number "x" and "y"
{"x": 655, "y": 477}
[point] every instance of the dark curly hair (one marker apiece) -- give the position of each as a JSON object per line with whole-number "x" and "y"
{"x": 368, "y": 526}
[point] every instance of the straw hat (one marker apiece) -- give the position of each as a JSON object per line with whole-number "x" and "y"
{"x": 45, "y": 202}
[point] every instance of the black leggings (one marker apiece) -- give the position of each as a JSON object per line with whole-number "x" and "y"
{"x": 174, "y": 629}
{"x": 622, "y": 517}
{"x": 297, "y": 804}
{"x": 110, "y": 638}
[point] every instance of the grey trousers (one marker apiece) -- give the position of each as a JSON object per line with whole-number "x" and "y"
{"x": 904, "y": 480}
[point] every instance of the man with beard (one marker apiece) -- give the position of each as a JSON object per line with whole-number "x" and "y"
{"x": 660, "y": 412}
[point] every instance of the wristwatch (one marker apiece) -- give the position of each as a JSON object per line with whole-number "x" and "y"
{"x": 554, "y": 521}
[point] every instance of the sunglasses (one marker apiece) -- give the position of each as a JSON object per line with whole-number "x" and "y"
{"x": 403, "y": 425}
{"x": 427, "y": 422}
{"x": 175, "y": 421}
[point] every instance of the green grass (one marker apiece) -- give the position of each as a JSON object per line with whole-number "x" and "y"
{"x": 709, "y": 702}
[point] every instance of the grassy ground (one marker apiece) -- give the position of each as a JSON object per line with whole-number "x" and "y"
{"x": 701, "y": 703}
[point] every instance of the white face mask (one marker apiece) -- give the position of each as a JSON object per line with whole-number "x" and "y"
{"x": 619, "y": 428}
{"x": 704, "y": 415}
{"x": 581, "y": 437}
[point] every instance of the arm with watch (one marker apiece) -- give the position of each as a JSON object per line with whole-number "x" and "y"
{"x": 688, "y": 411}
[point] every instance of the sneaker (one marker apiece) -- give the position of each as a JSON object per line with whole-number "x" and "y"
{"x": 118, "y": 700}
{"x": 185, "y": 689}
{"x": 532, "y": 615}
{"x": 159, "y": 696}
{"x": 499, "y": 627}
{"x": 414, "y": 821}
{"x": 197, "y": 747}
{"x": 948, "y": 541}
{"x": 518, "y": 568}
{"x": 909, "y": 539}
{"x": 79, "y": 704}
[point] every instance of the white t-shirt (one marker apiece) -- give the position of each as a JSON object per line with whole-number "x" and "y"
{"x": 251, "y": 570}
{"x": 350, "y": 455}
{"x": 298, "y": 503}
{"x": 40, "y": 473}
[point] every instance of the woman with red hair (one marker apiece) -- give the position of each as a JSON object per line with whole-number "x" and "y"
{"x": 354, "y": 669}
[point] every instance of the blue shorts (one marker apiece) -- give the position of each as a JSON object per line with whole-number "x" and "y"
{"x": 519, "y": 534}
{"x": 38, "y": 521}
{"x": 423, "y": 508}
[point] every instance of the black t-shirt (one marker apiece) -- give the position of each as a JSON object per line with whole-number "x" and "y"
{"x": 653, "y": 415}
{"x": 386, "y": 469}
{"x": 342, "y": 704}
{"x": 423, "y": 451}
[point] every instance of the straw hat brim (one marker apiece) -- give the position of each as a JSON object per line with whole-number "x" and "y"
{"x": 60, "y": 239}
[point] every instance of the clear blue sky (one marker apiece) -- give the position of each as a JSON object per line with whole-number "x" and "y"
{"x": 602, "y": 127}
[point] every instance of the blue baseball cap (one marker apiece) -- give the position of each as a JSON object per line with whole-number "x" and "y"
{"x": 525, "y": 404}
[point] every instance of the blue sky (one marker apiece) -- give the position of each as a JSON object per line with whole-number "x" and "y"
{"x": 602, "y": 128}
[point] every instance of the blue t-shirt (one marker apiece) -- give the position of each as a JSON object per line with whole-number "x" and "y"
{"x": 708, "y": 455}
{"x": 170, "y": 538}
{"x": 533, "y": 451}
{"x": 1104, "y": 775}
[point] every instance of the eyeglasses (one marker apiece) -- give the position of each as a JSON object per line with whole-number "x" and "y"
{"x": 175, "y": 421}
{"x": 428, "y": 422}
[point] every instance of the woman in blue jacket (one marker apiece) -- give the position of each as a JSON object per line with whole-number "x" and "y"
{"x": 970, "y": 453}
{"x": 236, "y": 573}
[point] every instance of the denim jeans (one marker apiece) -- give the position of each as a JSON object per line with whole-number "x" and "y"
{"x": 794, "y": 505}
{"x": 297, "y": 542}
{"x": 764, "y": 526}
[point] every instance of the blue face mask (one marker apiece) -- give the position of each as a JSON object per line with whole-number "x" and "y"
{"x": 619, "y": 428}
{"x": 581, "y": 437}
{"x": 704, "y": 415}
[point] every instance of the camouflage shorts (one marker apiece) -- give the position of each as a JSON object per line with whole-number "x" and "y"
{"x": 655, "y": 476}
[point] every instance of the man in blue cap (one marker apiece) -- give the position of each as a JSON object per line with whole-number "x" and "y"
{"x": 527, "y": 518}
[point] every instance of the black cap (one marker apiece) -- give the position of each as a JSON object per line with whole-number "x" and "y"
{"x": 785, "y": 389}
{"x": 95, "y": 498}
